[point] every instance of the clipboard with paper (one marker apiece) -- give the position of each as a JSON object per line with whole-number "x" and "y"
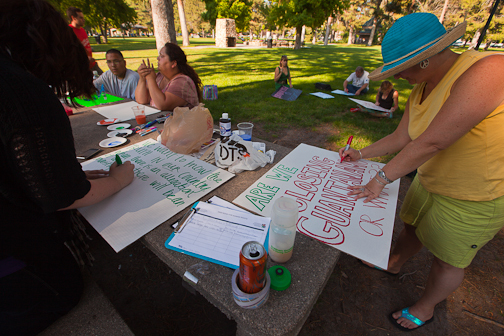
{"x": 217, "y": 233}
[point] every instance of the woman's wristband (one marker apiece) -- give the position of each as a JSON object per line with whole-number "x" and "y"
{"x": 379, "y": 181}
{"x": 360, "y": 153}
{"x": 384, "y": 177}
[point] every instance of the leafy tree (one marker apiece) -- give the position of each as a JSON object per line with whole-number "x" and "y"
{"x": 477, "y": 13}
{"x": 259, "y": 17}
{"x": 296, "y": 13}
{"x": 103, "y": 14}
{"x": 353, "y": 18}
{"x": 194, "y": 21}
{"x": 110, "y": 13}
{"x": 144, "y": 12}
{"x": 239, "y": 10}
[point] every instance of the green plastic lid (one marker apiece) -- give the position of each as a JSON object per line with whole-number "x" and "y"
{"x": 280, "y": 278}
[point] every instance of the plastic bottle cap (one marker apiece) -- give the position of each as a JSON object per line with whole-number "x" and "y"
{"x": 280, "y": 278}
{"x": 225, "y": 116}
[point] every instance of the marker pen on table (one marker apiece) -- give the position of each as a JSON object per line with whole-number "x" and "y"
{"x": 149, "y": 124}
{"x": 118, "y": 160}
{"x": 347, "y": 147}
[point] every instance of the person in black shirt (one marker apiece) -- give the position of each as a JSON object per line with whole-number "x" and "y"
{"x": 387, "y": 97}
{"x": 40, "y": 177}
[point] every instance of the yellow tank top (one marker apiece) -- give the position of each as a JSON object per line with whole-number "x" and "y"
{"x": 473, "y": 167}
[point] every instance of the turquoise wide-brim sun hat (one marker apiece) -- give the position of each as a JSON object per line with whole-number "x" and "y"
{"x": 412, "y": 39}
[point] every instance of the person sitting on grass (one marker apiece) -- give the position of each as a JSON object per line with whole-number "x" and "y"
{"x": 359, "y": 80}
{"x": 387, "y": 97}
{"x": 282, "y": 74}
{"x": 176, "y": 84}
{"x": 119, "y": 81}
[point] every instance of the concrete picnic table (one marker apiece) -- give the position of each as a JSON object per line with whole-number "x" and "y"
{"x": 311, "y": 264}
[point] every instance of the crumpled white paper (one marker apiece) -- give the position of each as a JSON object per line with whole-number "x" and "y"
{"x": 238, "y": 155}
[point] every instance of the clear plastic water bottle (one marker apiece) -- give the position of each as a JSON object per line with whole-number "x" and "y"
{"x": 282, "y": 232}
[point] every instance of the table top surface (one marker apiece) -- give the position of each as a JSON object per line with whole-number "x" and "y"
{"x": 311, "y": 264}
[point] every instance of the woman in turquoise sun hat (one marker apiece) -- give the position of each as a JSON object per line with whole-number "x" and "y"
{"x": 452, "y": 131}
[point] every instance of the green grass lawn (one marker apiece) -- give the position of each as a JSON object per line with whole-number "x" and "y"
{"x": 244, "y": 78}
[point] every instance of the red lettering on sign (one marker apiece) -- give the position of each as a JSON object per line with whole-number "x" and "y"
{"x": 371, "y": 227}
{"x": 301, "y": 199}
{"x": 334, "y": 217}
{"x": 331, "y": 234}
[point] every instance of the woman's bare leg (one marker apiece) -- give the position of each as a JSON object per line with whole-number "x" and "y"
{"x": 443, "y": 280}
{"x": 407, "y": 245}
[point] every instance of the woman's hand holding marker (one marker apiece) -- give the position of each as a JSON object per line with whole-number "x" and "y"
{"x": 343, "y": 153}
{"x": 122, "y": 172}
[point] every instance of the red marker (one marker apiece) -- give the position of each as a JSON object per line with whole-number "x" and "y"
{"x": 347, "y": 147}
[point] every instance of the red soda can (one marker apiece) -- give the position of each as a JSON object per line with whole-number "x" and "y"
{"x": 252, "y": 272}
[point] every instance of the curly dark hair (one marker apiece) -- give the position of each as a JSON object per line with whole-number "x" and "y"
{"x": 36, "y": 36}
{"x": 175, "y": 53}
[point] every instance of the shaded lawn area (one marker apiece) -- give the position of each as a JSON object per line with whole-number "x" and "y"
{"x": 141, "y": 43}
{"x": 244, "y": 78}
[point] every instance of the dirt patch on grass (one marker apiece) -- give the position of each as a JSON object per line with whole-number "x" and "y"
{"x": 291, "y": 137}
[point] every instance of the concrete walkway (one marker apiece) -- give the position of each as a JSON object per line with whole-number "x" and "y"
{"x": 94, "y": 315}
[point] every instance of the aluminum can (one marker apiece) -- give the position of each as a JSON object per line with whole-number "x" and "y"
{"x": 252, "y": 272}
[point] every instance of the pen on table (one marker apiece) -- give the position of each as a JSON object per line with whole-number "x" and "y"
{"x": 146, "y": 129}
{"x": 185, "y": 220}
{"x": 347, "y": 147}
{"x": 118, "y": 160}
{"x": 150, "y": 130}
{"x": 150, "y": 123}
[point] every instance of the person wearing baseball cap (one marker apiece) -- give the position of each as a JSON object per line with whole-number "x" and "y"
{"x": 452, "y": 131}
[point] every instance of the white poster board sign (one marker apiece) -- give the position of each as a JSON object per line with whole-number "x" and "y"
{"x": 165, "y": 183}
{"x": 319, "y": 183}
{"x": 369, "y": 105}
{"x": 123, "y": 111}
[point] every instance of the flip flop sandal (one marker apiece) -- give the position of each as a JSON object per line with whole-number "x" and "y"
{"x": 380, "y": 269}
{"x": 405, "y": 313}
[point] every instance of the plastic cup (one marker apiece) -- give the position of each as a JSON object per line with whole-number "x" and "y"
{"x": 139, "y": 114}
{"x": 245, "y": 130}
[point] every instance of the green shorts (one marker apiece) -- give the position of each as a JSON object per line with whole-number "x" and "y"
{"x": 453, "y": 230}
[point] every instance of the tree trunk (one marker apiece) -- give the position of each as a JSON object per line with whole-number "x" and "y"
{"x": 105, "y": 32}
{"x": 299, "y": 35}
{"x": 441, "y": 18}
{"x": 373, "y": 30}
{"x": 303, "y": 32}
{"x": 183, "y": 25}
{"x": 487, "y": 45}
{"x": 350, "y": 35}
{"x": 102, "y": 32}
{"x": 314, "y": 37}
{"x": 475, "y": 39}
{"x": 164, "y": 23}
{"x": 328, "y": 30}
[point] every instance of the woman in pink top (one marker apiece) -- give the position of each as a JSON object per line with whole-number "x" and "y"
{"x": 176, "y": 84}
